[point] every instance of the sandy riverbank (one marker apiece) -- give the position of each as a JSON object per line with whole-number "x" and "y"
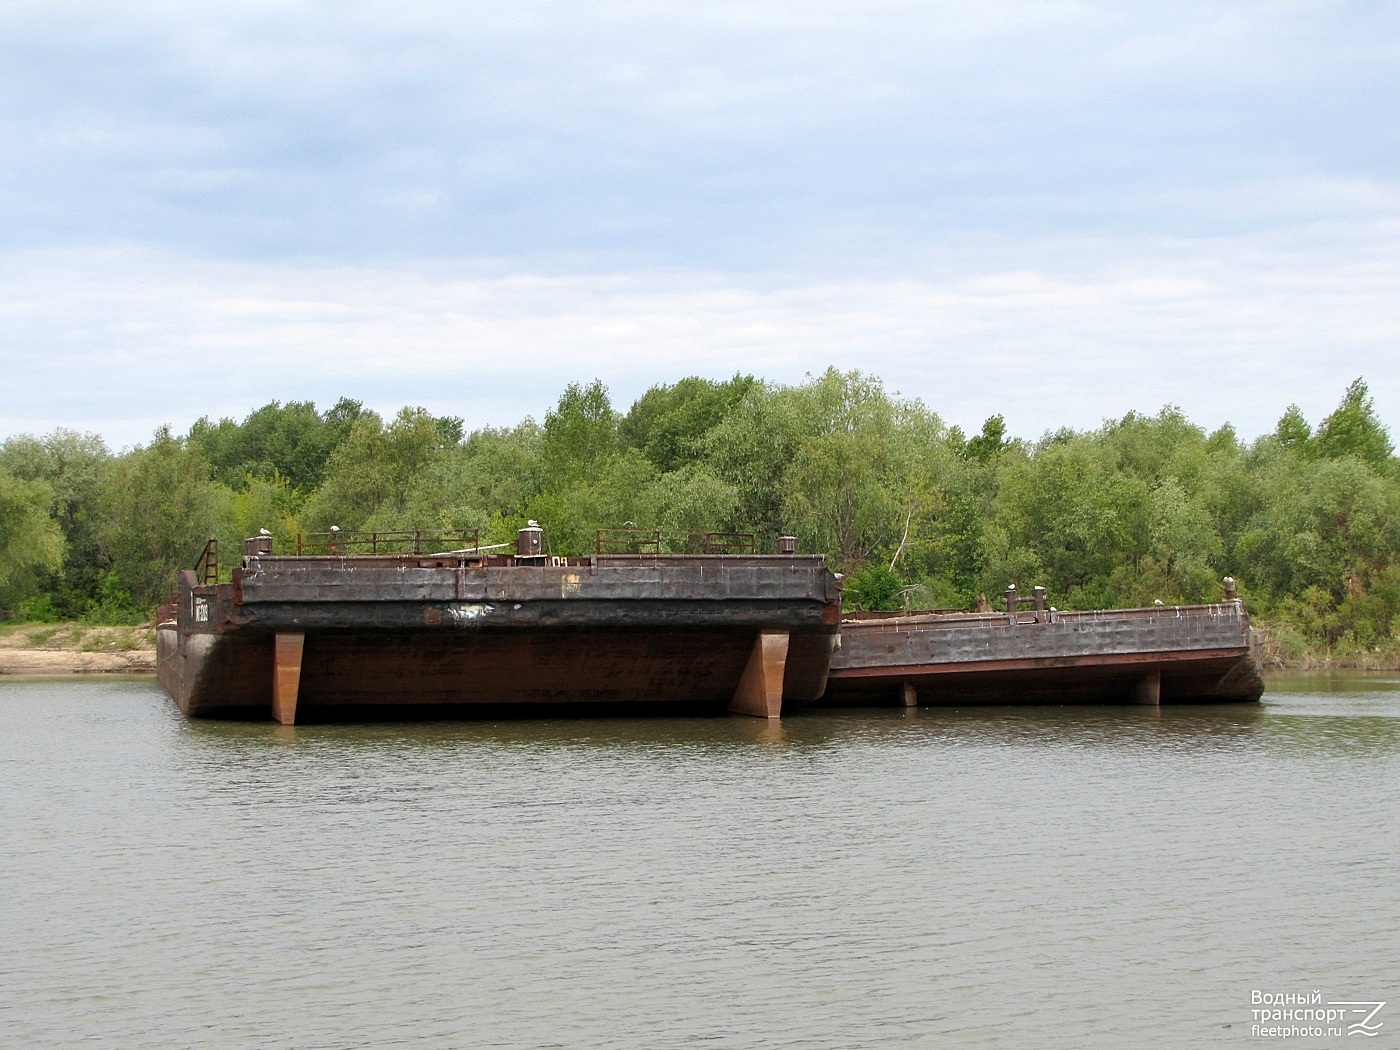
{"x": 66, "y": 649}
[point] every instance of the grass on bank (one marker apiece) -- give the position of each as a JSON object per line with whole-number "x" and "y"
{"x": 77, "y": 637}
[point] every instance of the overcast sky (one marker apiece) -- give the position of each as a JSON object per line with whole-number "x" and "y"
{"x": 1056, "y": 211}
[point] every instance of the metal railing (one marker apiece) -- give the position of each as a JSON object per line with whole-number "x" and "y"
{"x": 896, "y": 619}
{"x": 401, "y": 541}
{"x": 673, "y": 541}
{"x": 206, "y": 569}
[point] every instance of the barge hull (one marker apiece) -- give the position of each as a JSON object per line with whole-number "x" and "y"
{"x": 308, "y": 637}
{"x": 1159, "y": 655}
{"x": 231, "y": 677}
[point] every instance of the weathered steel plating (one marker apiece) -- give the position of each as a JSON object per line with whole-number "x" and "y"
{"x": 345, "y": 632}
{"x": 468, "y": 627}
{"x": 1162, "y": 653}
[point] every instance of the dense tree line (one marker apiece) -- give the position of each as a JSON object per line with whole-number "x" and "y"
{"x": 915, "y": 512}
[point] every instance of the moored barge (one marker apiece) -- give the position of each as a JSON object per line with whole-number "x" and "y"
{"x": 1160, "y": 654}
{"x": 326, "y": 633}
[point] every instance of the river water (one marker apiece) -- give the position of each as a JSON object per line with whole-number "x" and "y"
{"x": 1053, "y": 877}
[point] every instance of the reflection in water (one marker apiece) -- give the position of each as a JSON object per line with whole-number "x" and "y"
{"x": 1040, "y": 877}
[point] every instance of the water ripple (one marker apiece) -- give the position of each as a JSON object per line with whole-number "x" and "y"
{"x": 1031, "y": 877}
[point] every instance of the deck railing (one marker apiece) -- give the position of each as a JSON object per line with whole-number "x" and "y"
{"x": 401, "y": 541}
{"x": 1230, "y": 609}
{"x": 673, "y": 541}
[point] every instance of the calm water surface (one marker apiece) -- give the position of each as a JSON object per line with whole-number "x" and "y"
{"x": 1070, "y": 877}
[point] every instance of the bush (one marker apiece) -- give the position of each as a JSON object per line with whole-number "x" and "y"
{"x": 38, "y": 609}
{"x": 114, "y": 606}
{"x": 874, "y": 587}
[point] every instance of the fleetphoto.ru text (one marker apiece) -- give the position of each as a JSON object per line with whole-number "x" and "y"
{"x": 1302, "y": 1015}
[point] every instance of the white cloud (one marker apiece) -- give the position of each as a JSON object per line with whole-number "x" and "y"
{"x": 1231, "y": 329}
{"x": 1054, "y": 210}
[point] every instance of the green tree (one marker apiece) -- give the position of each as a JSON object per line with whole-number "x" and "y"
{"x": 1185, "y": 546}
{"x": 30, "y": 541}
{"x": 1353, "y": 429}
{"x": 669, "y": 423}
{"x": 875, "y": 587}
{"x": 292, "y": 441}
{"x": 1293, "y": 431}
{"x": 159, "y": 507}
{"x": 371, "y": 475}
{"x": 836, "y": 461}
{"x": 988, "y": 444}
{"x": 484, "y": 483}
{"x": 579, "y": 432}
{"x": 74, "y": 466}
{"x": 693, "y": 498}
{"x": 1077, "y": 516}
{"x": 613, "y": 493}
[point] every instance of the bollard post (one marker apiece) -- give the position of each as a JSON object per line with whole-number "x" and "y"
{"x": 1038, "y": 600}
{"x": 529, "y": 542}
{"x": 1011, "y": 603}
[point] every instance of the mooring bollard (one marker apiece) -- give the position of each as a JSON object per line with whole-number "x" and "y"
{"x": 1038, "y": 600}
{"x": 529, "y": 542}
{"x": 1011, "y": 604}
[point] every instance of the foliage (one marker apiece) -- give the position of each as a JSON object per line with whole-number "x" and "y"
{"x": 835, "y": 462}
{"x": 875, "y": 587}
{"x": 371, "y": 474}
{"x": 156, "y": 514}
{"x": 987, "y": 445}
{"x": 579, "y": 433}
{"x": 669, "y": 423}
{"x": 31, "y": 542}
{"x": 75, "y": 468}
{"x": 1354, "y": 430}
{"x": 916, "y": 514}
{"x": 292, "y": 441}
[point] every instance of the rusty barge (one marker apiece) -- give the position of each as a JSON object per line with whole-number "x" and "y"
{"x": 691, "y": 622}
{"x": 1161, "y": 654}
{"x": 332, "y": 633}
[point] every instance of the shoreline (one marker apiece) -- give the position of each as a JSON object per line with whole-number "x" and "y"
{"x": 46, "y": 663}
{"x": 72, "y": 650}
{"x": 78, "y": 650}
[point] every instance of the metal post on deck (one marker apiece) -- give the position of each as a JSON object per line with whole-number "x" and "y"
{"x": 1038, "y": 600}
{"x": 529, "y": 541}
{"x": 1011, "y": 604}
